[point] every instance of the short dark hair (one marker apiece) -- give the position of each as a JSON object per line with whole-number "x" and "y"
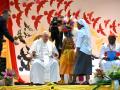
{"x": 113, "y": 37}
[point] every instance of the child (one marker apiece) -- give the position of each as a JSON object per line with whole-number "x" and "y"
{"x": 67, "y": 57}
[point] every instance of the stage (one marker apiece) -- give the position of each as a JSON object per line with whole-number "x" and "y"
{"x": 55, "y": 87}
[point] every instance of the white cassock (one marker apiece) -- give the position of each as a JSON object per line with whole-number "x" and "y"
{"x": 45, "y": 67}
{"x": 108, "y": 65}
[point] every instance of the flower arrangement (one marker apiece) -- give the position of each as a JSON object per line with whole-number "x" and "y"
{"x": 108, "y": 77}
{"x": 68, "y": 24}
{"x": 8, "y": 76}
{"x": 114, "y": 73}
{"x": 99, "y": 74}
{"x": 100, "y": 77}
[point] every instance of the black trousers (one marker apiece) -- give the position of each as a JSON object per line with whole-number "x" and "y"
{"x": 2, "y": 64}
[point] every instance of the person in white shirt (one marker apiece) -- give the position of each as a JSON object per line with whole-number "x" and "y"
{"x": 45, "y": 67}
{"x": 83, "y": 64}
{"x": 109, "y": 54}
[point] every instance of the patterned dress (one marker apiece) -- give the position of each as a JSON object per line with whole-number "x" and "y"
{"x": 67, "y": 57}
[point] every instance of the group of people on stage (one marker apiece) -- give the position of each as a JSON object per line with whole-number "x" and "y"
{"x": 54, "y": 56}
{"x": 67, "y": 56}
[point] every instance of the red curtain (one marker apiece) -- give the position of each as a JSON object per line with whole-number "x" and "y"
{"x": 12, "y": 52}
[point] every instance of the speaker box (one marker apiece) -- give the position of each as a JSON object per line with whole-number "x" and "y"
{"x": 2, "y": 64}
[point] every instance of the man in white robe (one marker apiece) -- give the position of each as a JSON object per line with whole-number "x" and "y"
{"x": 45, "y": 67}
{"x": 106, "y": 64}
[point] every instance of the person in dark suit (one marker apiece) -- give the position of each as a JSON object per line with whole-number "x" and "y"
{"x": 56, "y": 33}
{"x": 4, "y": 30}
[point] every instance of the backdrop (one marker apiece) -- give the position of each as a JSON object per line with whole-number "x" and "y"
{"x": 29, "y": 18}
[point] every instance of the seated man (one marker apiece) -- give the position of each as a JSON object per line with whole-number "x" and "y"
{"x": 109, "y": 54}
{"x": 45, "y": 67}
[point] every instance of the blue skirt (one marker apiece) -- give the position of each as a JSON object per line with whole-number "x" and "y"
{"x": 83, "y": 65}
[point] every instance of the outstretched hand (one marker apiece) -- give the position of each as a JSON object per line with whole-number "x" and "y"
{"x": 105, "y": 58}
{"x": 94, "y": 57}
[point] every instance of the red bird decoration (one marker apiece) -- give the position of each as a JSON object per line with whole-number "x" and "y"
{"x": 40, "y": 5}
{"x": 113, "y": 26}
{"x": 49, "y": 15}
{"x": 37, "y": 21}
{"x": 51, "y": 2}
{"x": 18, "y": 18}
{"x": 28, "y": 7}
{"x": 58, "y": 13}
{"x": 95, "y": 21}
{"x": 76, "y": 14}
{"x": 86, "y": 18}
{"x": 100, "y": 30}
{"x": 17, "y": 5}
{"x": 67, "y": 4}
{"x": 68, "y": 13}
{"x": 90, "y": 15}
{"x": 106, "y": 22}
{"x": 59, "y": 3}
{"x": 118, "y": 24}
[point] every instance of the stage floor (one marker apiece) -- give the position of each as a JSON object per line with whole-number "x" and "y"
{"x": 55, "y": 87}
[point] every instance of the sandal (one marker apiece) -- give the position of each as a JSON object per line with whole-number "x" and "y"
{"x": 61, "y": 82}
